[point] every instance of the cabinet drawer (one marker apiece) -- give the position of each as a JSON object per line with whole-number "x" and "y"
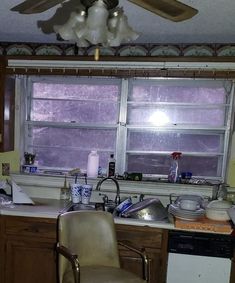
{"x": 140, "y": 236}
{"x": 30, "y": 226}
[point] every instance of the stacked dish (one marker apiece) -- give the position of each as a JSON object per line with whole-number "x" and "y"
{"x": 185, "y": 214}
{"x": 187, "y": 207}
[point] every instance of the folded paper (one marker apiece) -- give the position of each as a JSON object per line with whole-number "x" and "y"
{"x": 19, "y": 196}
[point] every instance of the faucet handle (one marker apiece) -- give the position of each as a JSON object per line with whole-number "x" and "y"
{"x": 141, "y": 198}
{"x": 117, "y": 199}
{"x": 105, "y": 197}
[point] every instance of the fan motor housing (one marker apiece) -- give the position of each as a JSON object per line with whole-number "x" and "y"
{"x": 111, "y": 4}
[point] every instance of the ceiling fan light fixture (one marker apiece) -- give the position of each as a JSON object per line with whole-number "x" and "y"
{"x": 67, "y": 31}
{"x": 118, "y": 25}
{"x": 98, "y": 26}
{"x": 96, "y": 30}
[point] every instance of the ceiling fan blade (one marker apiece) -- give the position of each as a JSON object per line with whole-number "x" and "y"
{"x": 61, "y": 16}
{"x": 34, "y": 7}
{"x": 170, "y": 9}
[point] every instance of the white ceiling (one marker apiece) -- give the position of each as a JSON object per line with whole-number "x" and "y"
{"x": 215, "y": 23}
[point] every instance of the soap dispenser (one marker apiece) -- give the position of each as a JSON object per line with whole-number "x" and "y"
{"x": 64, "y": 191}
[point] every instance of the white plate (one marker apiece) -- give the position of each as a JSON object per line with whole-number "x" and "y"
{"x": 175, "y": 208}
{"x": 186, "y": 214}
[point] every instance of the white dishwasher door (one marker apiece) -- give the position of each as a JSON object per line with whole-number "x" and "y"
{"x": 184, "y": 268}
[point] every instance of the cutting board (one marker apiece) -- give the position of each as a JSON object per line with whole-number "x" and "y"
{"x": 205, "y": 224}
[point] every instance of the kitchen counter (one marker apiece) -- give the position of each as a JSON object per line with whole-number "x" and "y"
{"x": 51, "y": 208}
{"x": 45, "y": 208}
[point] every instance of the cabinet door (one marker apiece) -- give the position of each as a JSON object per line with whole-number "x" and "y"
{"x": 154, "y": 241}
{"x": 29, "y": 261}
{"x": 232, "y": 277}
{"x": 8, "y": 116}
{"x": 1, "y": 252}
{"x": 7, "y": 109}
{"x": 29, "y": 249}
{"x": 2, "y": 76}
{"x": 133, "y": 263}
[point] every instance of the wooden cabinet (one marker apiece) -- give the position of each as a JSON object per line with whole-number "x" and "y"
{"x": 7, "y": 109}
{"x": 154, "y": 241}
{"x": 232, "y": 277}
{"x": 1, "y": 252}
{"x": 27, "y": 250}
{"x": 29, "y": 246}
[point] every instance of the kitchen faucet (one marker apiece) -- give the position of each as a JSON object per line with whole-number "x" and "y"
{"x": 117, "y": 198}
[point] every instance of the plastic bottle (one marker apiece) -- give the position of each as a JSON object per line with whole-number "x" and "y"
{"x": 173, "y": 176}
{"x": 93, "y": 164}
{"x": 64, "y": 191}
{"x": 111, "y": 166}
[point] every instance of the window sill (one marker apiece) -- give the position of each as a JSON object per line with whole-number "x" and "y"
{"x": 49, "y": 186}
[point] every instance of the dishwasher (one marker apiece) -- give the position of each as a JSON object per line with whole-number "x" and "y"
{"x": 199, "y": 257}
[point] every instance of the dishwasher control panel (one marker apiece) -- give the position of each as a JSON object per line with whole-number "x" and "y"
{"x": 204, "y": 244}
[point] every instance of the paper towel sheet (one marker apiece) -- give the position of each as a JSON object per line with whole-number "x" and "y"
{"x": 19, "y": 196}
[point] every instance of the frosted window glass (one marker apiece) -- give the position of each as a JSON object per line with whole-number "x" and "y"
{"x": 76, "y": 91}
{"x": 75, "y": 111}
{"x": 153, "y": 164}
{"x": 163, "y": 116}
{"x": 70, "y": 147}
{"x": 182, "y": 94}
{"x": 172, "y": 141}
{"x": 75, "y": 103}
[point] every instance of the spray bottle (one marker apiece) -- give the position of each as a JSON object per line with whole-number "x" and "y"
{"x": 173, "y": 176}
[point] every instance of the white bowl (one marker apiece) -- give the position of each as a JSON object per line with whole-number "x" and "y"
{"x": 218, "y": 210}
{"x": 218, "y": 214}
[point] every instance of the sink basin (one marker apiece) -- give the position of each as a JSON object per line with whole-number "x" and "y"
{"x": 110, "y": 206}
{"x": 148, "y": 209}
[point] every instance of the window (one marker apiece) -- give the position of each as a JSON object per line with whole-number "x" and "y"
{"x": 142, "y": 121}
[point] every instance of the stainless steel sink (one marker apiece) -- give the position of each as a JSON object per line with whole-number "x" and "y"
{"x": 109, "y": 206}
{"x": 149, "y": 209}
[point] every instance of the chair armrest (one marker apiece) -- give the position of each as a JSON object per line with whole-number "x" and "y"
{"x": 142, "y": 254}
{"x": 72, "y": 258}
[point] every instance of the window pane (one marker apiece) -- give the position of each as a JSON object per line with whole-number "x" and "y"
{"x": 198, "y": 96}
{"x": 174, "y": 141}
{"x": 75, "y": 111}
{"x": 67, "y": 158}
{"x": 168, "y": 116}
{"x": 81, "y": 103}
{"x": 70, "y": 147}
{"x": 177, "y": 94}
{"x": 153, "y": 164}
{"x": 79, "y": 91}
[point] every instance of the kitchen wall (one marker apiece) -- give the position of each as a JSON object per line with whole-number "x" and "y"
{"x": 184, "y": 50}
{"x": 231, "y": 167}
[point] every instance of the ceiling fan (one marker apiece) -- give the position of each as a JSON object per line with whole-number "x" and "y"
{"x": 170, "y": 9}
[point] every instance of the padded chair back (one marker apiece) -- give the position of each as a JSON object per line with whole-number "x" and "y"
{"x": 91, "y": 235}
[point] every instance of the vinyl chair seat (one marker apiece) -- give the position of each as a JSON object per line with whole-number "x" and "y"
{"x": 103, "y": 274}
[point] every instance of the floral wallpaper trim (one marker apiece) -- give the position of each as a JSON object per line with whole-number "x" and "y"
{"x": 132, "y": 50}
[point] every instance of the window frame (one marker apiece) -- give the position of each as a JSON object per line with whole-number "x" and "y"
{"x": 122, "y": 126}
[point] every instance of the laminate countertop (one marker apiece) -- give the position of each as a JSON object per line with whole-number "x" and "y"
{"x": 52, "y": 208}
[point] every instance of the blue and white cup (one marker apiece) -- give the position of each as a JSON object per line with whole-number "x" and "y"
{"x": 76, "y": 192}
{"x": 86, "y": 193}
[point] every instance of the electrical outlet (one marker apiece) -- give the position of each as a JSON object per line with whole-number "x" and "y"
{"x": 5, "y": 169}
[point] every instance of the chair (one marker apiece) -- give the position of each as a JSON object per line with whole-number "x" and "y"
{"x": 88, "y": 250}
